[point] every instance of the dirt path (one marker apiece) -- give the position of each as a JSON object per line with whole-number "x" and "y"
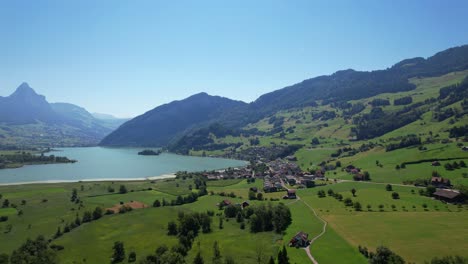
{"x": 324, "y": 229}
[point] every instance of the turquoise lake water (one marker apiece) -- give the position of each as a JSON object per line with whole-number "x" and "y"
{"x": 97, "y": 163}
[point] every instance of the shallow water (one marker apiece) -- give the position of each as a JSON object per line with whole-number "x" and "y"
{"x": 111, "y": 163}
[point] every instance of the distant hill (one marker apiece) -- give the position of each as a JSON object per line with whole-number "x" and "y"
{"x": 27, "y": 119}
{"x": 110, "y": 121}
{"x": 166, "y": 124}
{"x": 159, "y": 126}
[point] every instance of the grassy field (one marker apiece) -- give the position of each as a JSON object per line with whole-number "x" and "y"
{"x": 413, "y": 231}
{"x": 404, "y": 224}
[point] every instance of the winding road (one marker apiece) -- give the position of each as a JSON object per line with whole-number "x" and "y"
{"x": 324, "y": 229}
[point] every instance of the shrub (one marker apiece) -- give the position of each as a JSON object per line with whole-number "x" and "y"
{"x": 395, "y": 195}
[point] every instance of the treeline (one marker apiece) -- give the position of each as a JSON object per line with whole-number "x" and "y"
{"x": 378, "y": 122}
{"x": 456, "y": 132}
{"x": 403, "y": 100}
{"x": 410, "y": 140}
{"x": 324, "y": 115}
{"x": 379, "y": 102}
{"x": 353, "y": 109}
{"x": 26, "y": 157}
{"x": 384, "y": 255}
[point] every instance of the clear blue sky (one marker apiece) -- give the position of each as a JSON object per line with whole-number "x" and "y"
{"x": 126, "y": 57}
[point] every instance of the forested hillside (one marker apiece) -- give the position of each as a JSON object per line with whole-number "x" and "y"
{"x": 343, "y": 94}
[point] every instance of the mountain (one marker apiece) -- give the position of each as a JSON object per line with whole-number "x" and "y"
{"x": 25, "y": 106}
{"x": 27, "y": 119}
{"x": 110, "y": 121}
{"x": 168, "y": 123}
{"x": 159, "y": 126}
{"x": 349, "y": 84}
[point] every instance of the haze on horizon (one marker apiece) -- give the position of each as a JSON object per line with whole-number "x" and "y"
{"x": 125, "y": 58}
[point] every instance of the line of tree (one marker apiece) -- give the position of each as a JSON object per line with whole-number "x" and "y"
{"x": 410, "y": 140}
{"x": 403, "y": 100}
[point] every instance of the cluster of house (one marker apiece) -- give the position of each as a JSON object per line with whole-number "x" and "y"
{"x": 288, "y": 172}
{"x": 235, "y": 173}
{"x": 356, "y": 172}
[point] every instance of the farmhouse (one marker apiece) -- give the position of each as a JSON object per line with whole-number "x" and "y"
{"x": 226, "y": 202}
{"x": 440, "y": 182}
{"x": 301, "y": 239}
{"x": 290, "y": 194}
{"x": 245, "y": 204}
{"x": 447, "y": 195}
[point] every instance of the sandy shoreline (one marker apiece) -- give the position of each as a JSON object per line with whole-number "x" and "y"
{"x": 160, "y": 177}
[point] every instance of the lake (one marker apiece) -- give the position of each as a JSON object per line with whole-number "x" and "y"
{"x": 98, "y": 163}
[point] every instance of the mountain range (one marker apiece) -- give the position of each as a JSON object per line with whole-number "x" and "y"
{"x": 166, "y": 124}
{"x": 26, "y": 118}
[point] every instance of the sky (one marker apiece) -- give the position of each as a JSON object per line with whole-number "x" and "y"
{"x": 127, "y": 57}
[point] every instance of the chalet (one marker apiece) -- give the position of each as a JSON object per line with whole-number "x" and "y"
{"x": 440, "y": 182}
{"x": 226, "y": 202}
{"x": 349, "y": 168}
{"x": 244, "y": 204}
{"x": 465, "y": 148}
{"x": 301, "y": 239}
{"x": 448, "y": 195}
{"x": 291, "y": 194}
{"x": 435, "y": 163}
{"x": 291, "y": 179}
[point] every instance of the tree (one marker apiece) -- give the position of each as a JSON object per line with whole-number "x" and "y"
{"x": 357, "y": 206}
{"x": 348, "y": 202}
{"x": 221, "y": 223}
{"x": 385, "y": 256}
{"x": 389, "y": 188}
{"x": 122, "y": 189}
{"x": 353, "y": 191}
{"x": 171, "y": 228}
{"x": 34, "y": 251}
{"x": 366, "y": 176}
{"x": 272, "y": 260}
{"x": 74, "y": 195}
{"x": 229, "y": 260}
{"x": 6, "y": 203}
{"x": 4, "y": 258}
{"x": 395, "y": 195}
{"x": 315, "y": 141}
{"x": 157, "y": 203}
{"x": 97, "y": 213}
{"x": 260, "y": 196}
{"x": 58, "y": 233}
{"x": 119, "y": 252}
{"x": 132, "y": 257}
{"x": 283, "y": 256}
{"x": 252, "y": 195}
{"x": 198, "y": 259}
{"x": 462, "y": 164}
{"x": 216, "y": 253}
{"x": 86, "y": 217}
